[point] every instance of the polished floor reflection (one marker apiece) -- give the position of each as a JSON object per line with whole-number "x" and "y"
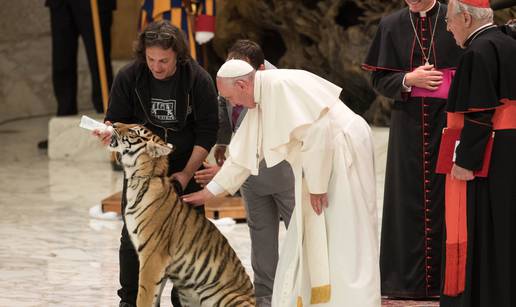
{"x": 52, "y": 253}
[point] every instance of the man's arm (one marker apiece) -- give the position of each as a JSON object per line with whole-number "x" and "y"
{"x": 205, "y": 127}
{"x": 317, "y": 157}
{"x": 473, "y": 139}
{"x": 394, "y": 84}
{"x": 228, "y": 180}
{"x": 205, "y": 175}
{"x": 473, "y": 143}
{"x": 120, "y": 107}
{"x": 388, "y": 83}
{"x": 205, "y": 108}
{"x": 198, "y": 155}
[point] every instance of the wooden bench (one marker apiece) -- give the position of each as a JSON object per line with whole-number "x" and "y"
{"x": 112, "y": 203}
{"x": 216, "y": 208}
{"x": 224, "y": 206}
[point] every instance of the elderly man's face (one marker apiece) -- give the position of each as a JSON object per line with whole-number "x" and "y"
{"x": 419, "y": 5}
{"x": 458, "y": 24}
{"x": 162, "y": 63}
{"x": 239, "y": 93}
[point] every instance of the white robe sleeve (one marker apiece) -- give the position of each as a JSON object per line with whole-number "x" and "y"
{"x": 231, "y": 176}
{"x": 317, "y": 155}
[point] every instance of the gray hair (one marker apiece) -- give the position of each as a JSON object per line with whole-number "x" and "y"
{"x": 478, "y": 13}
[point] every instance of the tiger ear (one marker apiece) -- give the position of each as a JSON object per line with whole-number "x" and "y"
{"x": 157, "y": 150}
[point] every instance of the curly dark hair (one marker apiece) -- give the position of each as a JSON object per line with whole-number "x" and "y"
{"x": 247, "y": 50}
{"x": 165, "y": 35}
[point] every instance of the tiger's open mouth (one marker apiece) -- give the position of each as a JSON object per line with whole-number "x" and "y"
{"x": 114, "y": 142}
{"x": 114, "y": 139}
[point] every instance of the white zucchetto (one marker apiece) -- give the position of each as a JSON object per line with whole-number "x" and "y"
{"x": 234, "y": 68}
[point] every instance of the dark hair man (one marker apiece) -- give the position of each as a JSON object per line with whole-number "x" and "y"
{"x": 169, "y": 93}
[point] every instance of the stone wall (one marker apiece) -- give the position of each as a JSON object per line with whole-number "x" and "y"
{"x": 25, "y": 62}
{"x": 327, "y": 37}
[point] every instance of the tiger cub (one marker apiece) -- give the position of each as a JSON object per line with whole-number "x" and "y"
{"x": 173, "y": 241}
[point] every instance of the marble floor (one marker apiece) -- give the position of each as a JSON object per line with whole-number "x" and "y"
{"x": 51, "y": 252}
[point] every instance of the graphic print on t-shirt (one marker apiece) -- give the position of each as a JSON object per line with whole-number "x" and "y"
{"x": 164, "y": 110}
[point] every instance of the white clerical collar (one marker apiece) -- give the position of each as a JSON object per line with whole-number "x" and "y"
{"x": 258, "y": 87}
{"x": 479, "y": 30}
{"x": 423, "y": 13}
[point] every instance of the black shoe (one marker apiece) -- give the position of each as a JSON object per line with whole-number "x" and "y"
{"x": 43, "y": 144}
{"x": 124, "y": 304}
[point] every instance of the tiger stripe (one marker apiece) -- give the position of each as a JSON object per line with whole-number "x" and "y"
{"x": 174, "y": 241}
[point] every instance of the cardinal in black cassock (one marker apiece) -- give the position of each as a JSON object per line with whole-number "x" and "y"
{"x": 481, "y": 211}
{"x": 413, "y": 42}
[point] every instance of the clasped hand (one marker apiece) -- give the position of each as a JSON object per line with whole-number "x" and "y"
{"x": 461, "y": 173}
{"x": 424, "y": 77}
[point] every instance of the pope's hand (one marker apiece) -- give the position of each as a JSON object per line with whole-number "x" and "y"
{"x": 319, "y": 201}
{"x": 198, "y": 198}
{"x": 461, "y": 173}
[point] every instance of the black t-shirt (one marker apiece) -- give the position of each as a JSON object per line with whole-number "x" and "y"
{"x": 168, "y": 106}
{"x": 165, "y": 105}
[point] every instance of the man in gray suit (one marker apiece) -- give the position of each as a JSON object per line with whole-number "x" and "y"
{"x": 267, "y": 197}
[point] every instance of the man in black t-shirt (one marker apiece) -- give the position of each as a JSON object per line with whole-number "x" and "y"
{"x": 170, "y": 94}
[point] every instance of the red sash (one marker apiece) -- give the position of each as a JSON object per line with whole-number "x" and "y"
{"x": 449, "y": 140}
{"x": 505, "y": 115}
{"x": 455, "y": 206}
{"x": 456, "y": 225}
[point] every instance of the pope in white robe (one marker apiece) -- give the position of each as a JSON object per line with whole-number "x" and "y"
{"x": 330, "y": 254}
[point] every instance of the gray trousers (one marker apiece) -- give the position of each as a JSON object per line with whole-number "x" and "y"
{"x": 264, "y": 210}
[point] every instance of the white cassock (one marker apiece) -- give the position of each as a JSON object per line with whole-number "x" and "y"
{"x": 331, "y": 259}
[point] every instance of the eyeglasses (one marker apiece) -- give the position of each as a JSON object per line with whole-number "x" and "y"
{"x": 447, "y": 19}
{"x": 152, "y": 35}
